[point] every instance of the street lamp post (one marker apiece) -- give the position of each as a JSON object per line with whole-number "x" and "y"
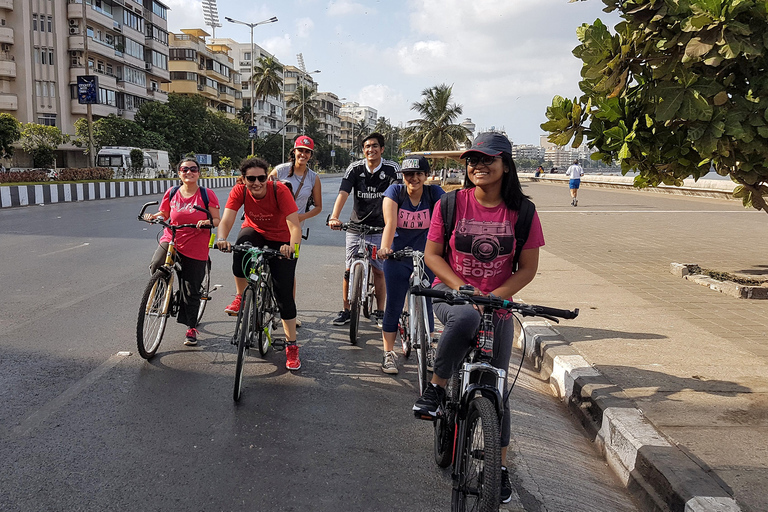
{"x": 302, "y": 101}
{"x": 253, "y": 63}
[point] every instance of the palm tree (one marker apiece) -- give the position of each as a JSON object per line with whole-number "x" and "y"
{"x": 436, "y": 130}
{"x": 266, "y": 78}
{"x": 302, "y": 107}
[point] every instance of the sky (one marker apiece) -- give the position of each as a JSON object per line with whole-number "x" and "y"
{"x": 506, "y": 59}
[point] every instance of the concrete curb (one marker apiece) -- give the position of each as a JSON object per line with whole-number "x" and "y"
{"x": 51, "y": 193}
{"x": 720, "y": 189}
{"x": 662, "y": 475}
{"x": 740, "y": 291}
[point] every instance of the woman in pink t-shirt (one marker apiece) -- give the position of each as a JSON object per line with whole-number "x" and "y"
{"x": 191, "y": 244}
{"x": 480, "y": 253}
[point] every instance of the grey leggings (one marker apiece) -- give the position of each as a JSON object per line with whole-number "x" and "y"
{"x": 460, "y": 326}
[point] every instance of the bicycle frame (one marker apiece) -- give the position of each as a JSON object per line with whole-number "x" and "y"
{"x": 418, "y": 278}
{"x": 364, "y": 257}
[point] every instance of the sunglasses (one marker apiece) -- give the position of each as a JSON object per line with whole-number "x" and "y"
{"x": 486, "y": 160}
{"x": 411, "y": 174}
{"x": 261, "y": 177}
{"x": 189, "y": 169}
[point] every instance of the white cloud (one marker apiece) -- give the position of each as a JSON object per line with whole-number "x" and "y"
{"x": 347, "y": 8}
{"x": 304, "y": 27}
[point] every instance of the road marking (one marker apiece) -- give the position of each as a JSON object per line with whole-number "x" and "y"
{"x": 36, "y": 418}
{"x": 67, "y": 249}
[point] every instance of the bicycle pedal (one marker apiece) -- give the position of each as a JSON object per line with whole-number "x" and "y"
{"x": 278, "y": 346}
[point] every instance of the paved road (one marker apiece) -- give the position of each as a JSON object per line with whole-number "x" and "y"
{"x": 83, "y": 426}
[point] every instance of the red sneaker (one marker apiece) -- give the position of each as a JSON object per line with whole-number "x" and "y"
{"x": 292, "y": 357}
{"x": 234, "y": 308}
{"x": 191, "y": 338}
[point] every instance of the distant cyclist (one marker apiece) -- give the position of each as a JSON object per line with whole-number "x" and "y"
{"x": 407, "y": 213}
{"x": 271, "y": 219}
{"x": 367, "y": 179}
{"x": 488, "y": 204}
{"x": 191, "y": 245}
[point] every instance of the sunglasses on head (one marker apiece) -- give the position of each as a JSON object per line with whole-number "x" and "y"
{"x": 188, "y": 169}
{"x": 261, "y": 177}
{"x": 475, "y": 160}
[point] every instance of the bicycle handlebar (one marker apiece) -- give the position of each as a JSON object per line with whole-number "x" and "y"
{"x": 454, "y": 297}
{"x": 269, "y": 253}
{"x": 175, "y": 226}
{"x": 403, "y": 254}
{"x": 364, "y": 228}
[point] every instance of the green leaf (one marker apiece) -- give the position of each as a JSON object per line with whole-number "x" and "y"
{"x": 722, "y": 97}
{"x": 668, "y": 106}
{"x": 624, "y": 152}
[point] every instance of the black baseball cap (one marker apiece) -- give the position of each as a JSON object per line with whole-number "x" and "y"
{"x": 489, "y": 143}
{"x": 415, "y": 164}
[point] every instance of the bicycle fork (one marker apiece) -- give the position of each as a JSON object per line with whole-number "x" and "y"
{"x": 352, "y": 268}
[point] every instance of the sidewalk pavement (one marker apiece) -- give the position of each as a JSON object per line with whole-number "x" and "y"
{"x": 670, "y": 378}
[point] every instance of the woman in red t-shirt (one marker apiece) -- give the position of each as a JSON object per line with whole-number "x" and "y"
{"x": 272, "y": 220}
{"x": 191, "y": 244}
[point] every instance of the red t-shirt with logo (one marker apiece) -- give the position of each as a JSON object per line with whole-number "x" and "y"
{"x": 266, "y": 215}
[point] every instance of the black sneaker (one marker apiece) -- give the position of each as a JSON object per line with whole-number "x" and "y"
{"x": 506, "y": 486}
{"x": 343, "y": 318}
{"x": 378, "y": 317}
{"x": 430, "y": 404}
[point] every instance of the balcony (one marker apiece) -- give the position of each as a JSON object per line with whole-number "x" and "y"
{"x": 7, "y": 68}
{"x": 97, "y": 110}
{"x": 6, "y": 4}
{"x": 105, "y": 80}
{"x": 6, "y": 35}
{"x": 9, "y": 102}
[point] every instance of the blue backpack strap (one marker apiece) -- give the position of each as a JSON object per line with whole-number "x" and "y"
{"x": 174, "y": 189}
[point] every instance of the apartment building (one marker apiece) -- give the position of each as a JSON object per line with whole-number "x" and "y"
{"x": 329, "y": 106}
{"x": 294, "y": 77}
{"x": 268, "y": 116}
{"x": 46, "y": 44}
{"x": 201, "y": 69}
{"x": 352, "y": 113}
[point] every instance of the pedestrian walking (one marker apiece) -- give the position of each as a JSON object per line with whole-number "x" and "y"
{"x": 574, "y": 173}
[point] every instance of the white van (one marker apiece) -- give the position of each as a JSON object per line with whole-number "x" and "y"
{"x": 162, "y": 162}
{"x": 118, "y": 158}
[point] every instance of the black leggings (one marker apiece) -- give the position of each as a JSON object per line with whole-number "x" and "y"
{"x": 190, "y": 279}
{"x": 283, "y": 270}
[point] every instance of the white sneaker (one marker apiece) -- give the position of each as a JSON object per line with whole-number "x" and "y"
{"x": 389, "y": 364}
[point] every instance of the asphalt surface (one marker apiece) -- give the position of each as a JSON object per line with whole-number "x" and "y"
{"x": 86, "y": 424}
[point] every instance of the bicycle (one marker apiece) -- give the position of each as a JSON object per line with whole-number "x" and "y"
{"x": 414, "y": 324}
{"x": 468, "y": 433}
{"x": 258, "y": 316}
{"x": 360, "y": 276}
{"x": 162, "y": 296}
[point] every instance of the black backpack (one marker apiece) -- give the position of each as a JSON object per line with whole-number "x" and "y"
{"x": 203, "y": 194}
{"x": 522, "y": 225}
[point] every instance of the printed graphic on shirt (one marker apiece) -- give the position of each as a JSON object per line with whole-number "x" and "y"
{"x": 485, "y": 241}
{"x": 413, "y": 220}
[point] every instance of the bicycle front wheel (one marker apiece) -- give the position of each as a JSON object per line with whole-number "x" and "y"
{"x": 477, "y": 484}
{"x": 369, "y": 295}
{"x": 205, "y": 287}
{"x": 154, "y": 311}
{"x": 445, "y": 424}
{"x": 244, "y": 339}
{"x": 355, "y": 301}
{"x": 421, "y": 343}
{"x": 264, "y": 314}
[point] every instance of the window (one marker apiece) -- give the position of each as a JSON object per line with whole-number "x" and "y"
{"x": 247, "y": 56}
{"x": 50, "y": 57}
{"x": 50, "y": 23}
{"x": 44, "y": 56}
{"x": 34, "y": 22}
{"x": 47, "y": 119}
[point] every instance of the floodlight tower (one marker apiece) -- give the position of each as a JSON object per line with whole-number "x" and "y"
{"x": 211, "y": 15}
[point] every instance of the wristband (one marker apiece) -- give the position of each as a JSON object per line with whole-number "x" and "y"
{"x": 221, "y": 240}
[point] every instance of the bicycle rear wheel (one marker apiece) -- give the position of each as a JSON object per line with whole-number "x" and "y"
{"x": 477, "y": 484}
{"x": 421, "y": 343}
{"x": 445, "y": 424}
{"x": 154, "y": 311}
{"x": 354, "y": 304}
{"x": 205, "y": 287}
{"x": 244, "y": 340}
